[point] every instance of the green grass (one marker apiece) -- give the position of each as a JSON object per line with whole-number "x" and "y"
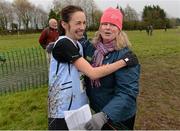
{"x": 24, "y": 110}
{"x": 10, "y": 42}
{"x": 158, "y": 101}
{"x": 161, "y": 44}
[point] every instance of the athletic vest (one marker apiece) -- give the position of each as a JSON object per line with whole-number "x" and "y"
{"x": 65, "y": 88}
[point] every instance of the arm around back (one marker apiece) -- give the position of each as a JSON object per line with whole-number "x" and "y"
{"x": 129, "y": 59}
{"x": 65, "y": 51}
{"x": 97, "y": 72}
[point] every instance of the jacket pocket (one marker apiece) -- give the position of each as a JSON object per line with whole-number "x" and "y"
{"x": 66, "y": 95}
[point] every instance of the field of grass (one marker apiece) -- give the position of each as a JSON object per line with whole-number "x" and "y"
{"x": 158, "y": 101}
{"x": 11, "y": 42}
{"x": 24, "y": 110}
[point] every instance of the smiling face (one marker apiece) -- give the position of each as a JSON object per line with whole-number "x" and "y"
{"x": 108, "y": 32}
{"x": 76, "y": 26}
{"x": 53, "y": 23}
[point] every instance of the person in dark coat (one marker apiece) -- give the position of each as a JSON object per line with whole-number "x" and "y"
{"x": 113, "y": 97}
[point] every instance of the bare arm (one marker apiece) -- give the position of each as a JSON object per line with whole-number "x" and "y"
{"x": 65, "y": 51}
{"x": 97, "y": 72}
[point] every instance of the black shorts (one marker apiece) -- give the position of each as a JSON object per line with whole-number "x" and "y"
{"x": 57, "y": 124}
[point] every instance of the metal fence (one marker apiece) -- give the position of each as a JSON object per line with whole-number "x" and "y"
{"x": 23, "y": 69}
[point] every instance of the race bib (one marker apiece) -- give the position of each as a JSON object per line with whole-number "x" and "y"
{"x": 82, "y": 83}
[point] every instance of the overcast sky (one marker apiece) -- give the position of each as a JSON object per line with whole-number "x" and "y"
{"x": 171, "y": 7}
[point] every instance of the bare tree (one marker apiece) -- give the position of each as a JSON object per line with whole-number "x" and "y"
{"x": 130, "y": 14}
{"x": 59, "y": 4}
{"x": 88, "y": 6}
{"x": 3, "y": 18}
{"x": 91, "y": 9}
{"x": 42, "y": 18}
{"x": 24, "y": 11}
{"x": 39, "y": 17}
{"x": 17, "y": 17}
{"x": 6, "y": 14}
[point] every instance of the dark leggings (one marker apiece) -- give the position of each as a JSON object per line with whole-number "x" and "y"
{"x": 57, "y": 124}
{"x": 123, "y": 125}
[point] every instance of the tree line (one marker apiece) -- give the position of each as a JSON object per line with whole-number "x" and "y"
{"x": 24, "y": 15}
{"x": 21, "y": 14}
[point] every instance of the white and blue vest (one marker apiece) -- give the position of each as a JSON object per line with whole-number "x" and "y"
{"x": 65, "y": 88}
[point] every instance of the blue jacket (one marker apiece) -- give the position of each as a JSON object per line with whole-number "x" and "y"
{"x": 118, "y": 91}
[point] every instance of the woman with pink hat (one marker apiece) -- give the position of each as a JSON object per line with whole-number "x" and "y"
{"x": 112, "y": 97}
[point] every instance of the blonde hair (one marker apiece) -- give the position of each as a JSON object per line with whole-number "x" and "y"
{"x": 121, "y": 40}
